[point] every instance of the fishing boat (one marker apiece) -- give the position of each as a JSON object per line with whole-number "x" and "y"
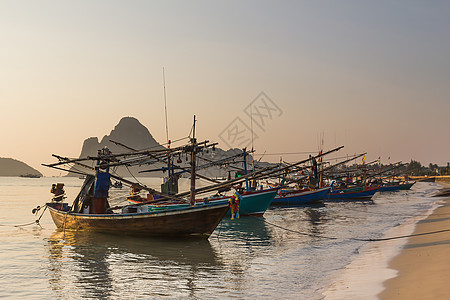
{"x": 30, "y": 175}
{"x": 255, "y": 203}
{"x": 300, "y": 197}
{"x": 392, "y": 187}
{"x": 251, "y": 203}
{"x": 91, "y": 211}
{"x": 198, "y": 220}
{"x": 358, "y": 193}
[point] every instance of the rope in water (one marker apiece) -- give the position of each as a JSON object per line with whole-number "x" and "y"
{"x": 355, "y": 239}
{"x": 35, "y": 222}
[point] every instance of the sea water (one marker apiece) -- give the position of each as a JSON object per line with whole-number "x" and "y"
{"x": 292, "y": 252}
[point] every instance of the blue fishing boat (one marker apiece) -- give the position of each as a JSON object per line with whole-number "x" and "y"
{"x": 352, "y": 194}
{"x": 298, "y": 197}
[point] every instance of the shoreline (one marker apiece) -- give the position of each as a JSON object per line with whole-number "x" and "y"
{"x": 423, "y": 264}
{"x": 369, "y": 276}
{"x": 355, "y": 282}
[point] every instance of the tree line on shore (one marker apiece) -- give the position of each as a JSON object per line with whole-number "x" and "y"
{"x": 415, "y": 168}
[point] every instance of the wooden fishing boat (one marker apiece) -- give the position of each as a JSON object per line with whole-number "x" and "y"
{"x": 198, "y": 220}
{"x": 296, "y": 197}
{"x": 396, "y": 187}
{"x": 255, "y": 203}
{"x": 252, "y": 203}
{"x": 91, "y": 211}
{"x": 352, "y": 194}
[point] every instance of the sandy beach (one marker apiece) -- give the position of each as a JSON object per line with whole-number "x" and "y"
{"x": 424, "y": 263}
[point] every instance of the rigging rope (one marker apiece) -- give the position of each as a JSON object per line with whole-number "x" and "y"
{"x": 134, "y": 177}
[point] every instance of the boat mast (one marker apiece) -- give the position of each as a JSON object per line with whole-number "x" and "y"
{"x": 167, "y": 128}
{"x": 245, "y": 169}
{"x": 193, "y": 142}
{"x": 165, "y": 107}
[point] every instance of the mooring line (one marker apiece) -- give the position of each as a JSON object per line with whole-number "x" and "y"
{"x": 31, "y": 223}
{"x": 394, "y": 214}
{"x": 355, "y": 239}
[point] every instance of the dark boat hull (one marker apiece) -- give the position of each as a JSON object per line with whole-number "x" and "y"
{"x": 353, "y": 195}
{"x": 192, "y": 221}
{"x": 397, "y": 187}
{"x": 301, "y": 198}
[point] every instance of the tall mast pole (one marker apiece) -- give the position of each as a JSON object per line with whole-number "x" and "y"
{"x": 169, "y": 167}
{"x": 194, "y": 144}
{"x": 165, "y": 107}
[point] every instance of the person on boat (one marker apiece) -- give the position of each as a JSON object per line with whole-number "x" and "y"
{"x": 97, "y": 199}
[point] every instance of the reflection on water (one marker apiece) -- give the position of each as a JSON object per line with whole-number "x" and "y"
{"x": 96, "y": 264}
{"x": 251, "y": 230}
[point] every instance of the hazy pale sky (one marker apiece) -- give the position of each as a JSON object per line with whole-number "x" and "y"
{"x": 371, "y": 75}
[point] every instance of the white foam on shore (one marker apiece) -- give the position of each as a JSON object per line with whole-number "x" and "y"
{"x": 363, "y": 278}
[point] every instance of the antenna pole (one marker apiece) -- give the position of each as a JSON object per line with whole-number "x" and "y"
{"x": 165, "y": 107}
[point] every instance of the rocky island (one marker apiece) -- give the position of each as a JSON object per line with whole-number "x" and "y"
{"x": 14, "y": 168}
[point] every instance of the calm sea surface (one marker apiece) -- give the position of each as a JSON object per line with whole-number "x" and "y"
{"x": 245, "y": 258}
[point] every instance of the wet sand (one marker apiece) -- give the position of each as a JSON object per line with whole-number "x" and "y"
{"x": 423, "y": 265}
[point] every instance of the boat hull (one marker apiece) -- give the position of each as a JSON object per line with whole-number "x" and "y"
{"x": 255, "y": 203}
{"x": 190, "y": 221}
{"x": 398, "y": 187}
{"x": 352, "y": 195}
{"x": 301, "y": 198}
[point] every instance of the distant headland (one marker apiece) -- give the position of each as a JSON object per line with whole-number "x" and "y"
{"x": 14, "y": 168}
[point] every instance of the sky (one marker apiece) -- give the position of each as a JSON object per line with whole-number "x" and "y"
{"x": 373, "y": 76}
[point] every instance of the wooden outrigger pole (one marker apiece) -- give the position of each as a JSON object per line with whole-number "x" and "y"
{"x": 76, "y": 161}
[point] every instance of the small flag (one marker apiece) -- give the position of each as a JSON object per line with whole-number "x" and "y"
{"x": 364, "y": 159}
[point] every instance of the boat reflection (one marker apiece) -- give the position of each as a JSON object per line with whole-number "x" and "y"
{"x": 96, "y": 264}
{"x": 251, "y": 230}
{"x": 315, "y": 215}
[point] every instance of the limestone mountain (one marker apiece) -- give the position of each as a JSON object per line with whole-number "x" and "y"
{"x": 13, "y": 167}
{"x": 130, "y": 132}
